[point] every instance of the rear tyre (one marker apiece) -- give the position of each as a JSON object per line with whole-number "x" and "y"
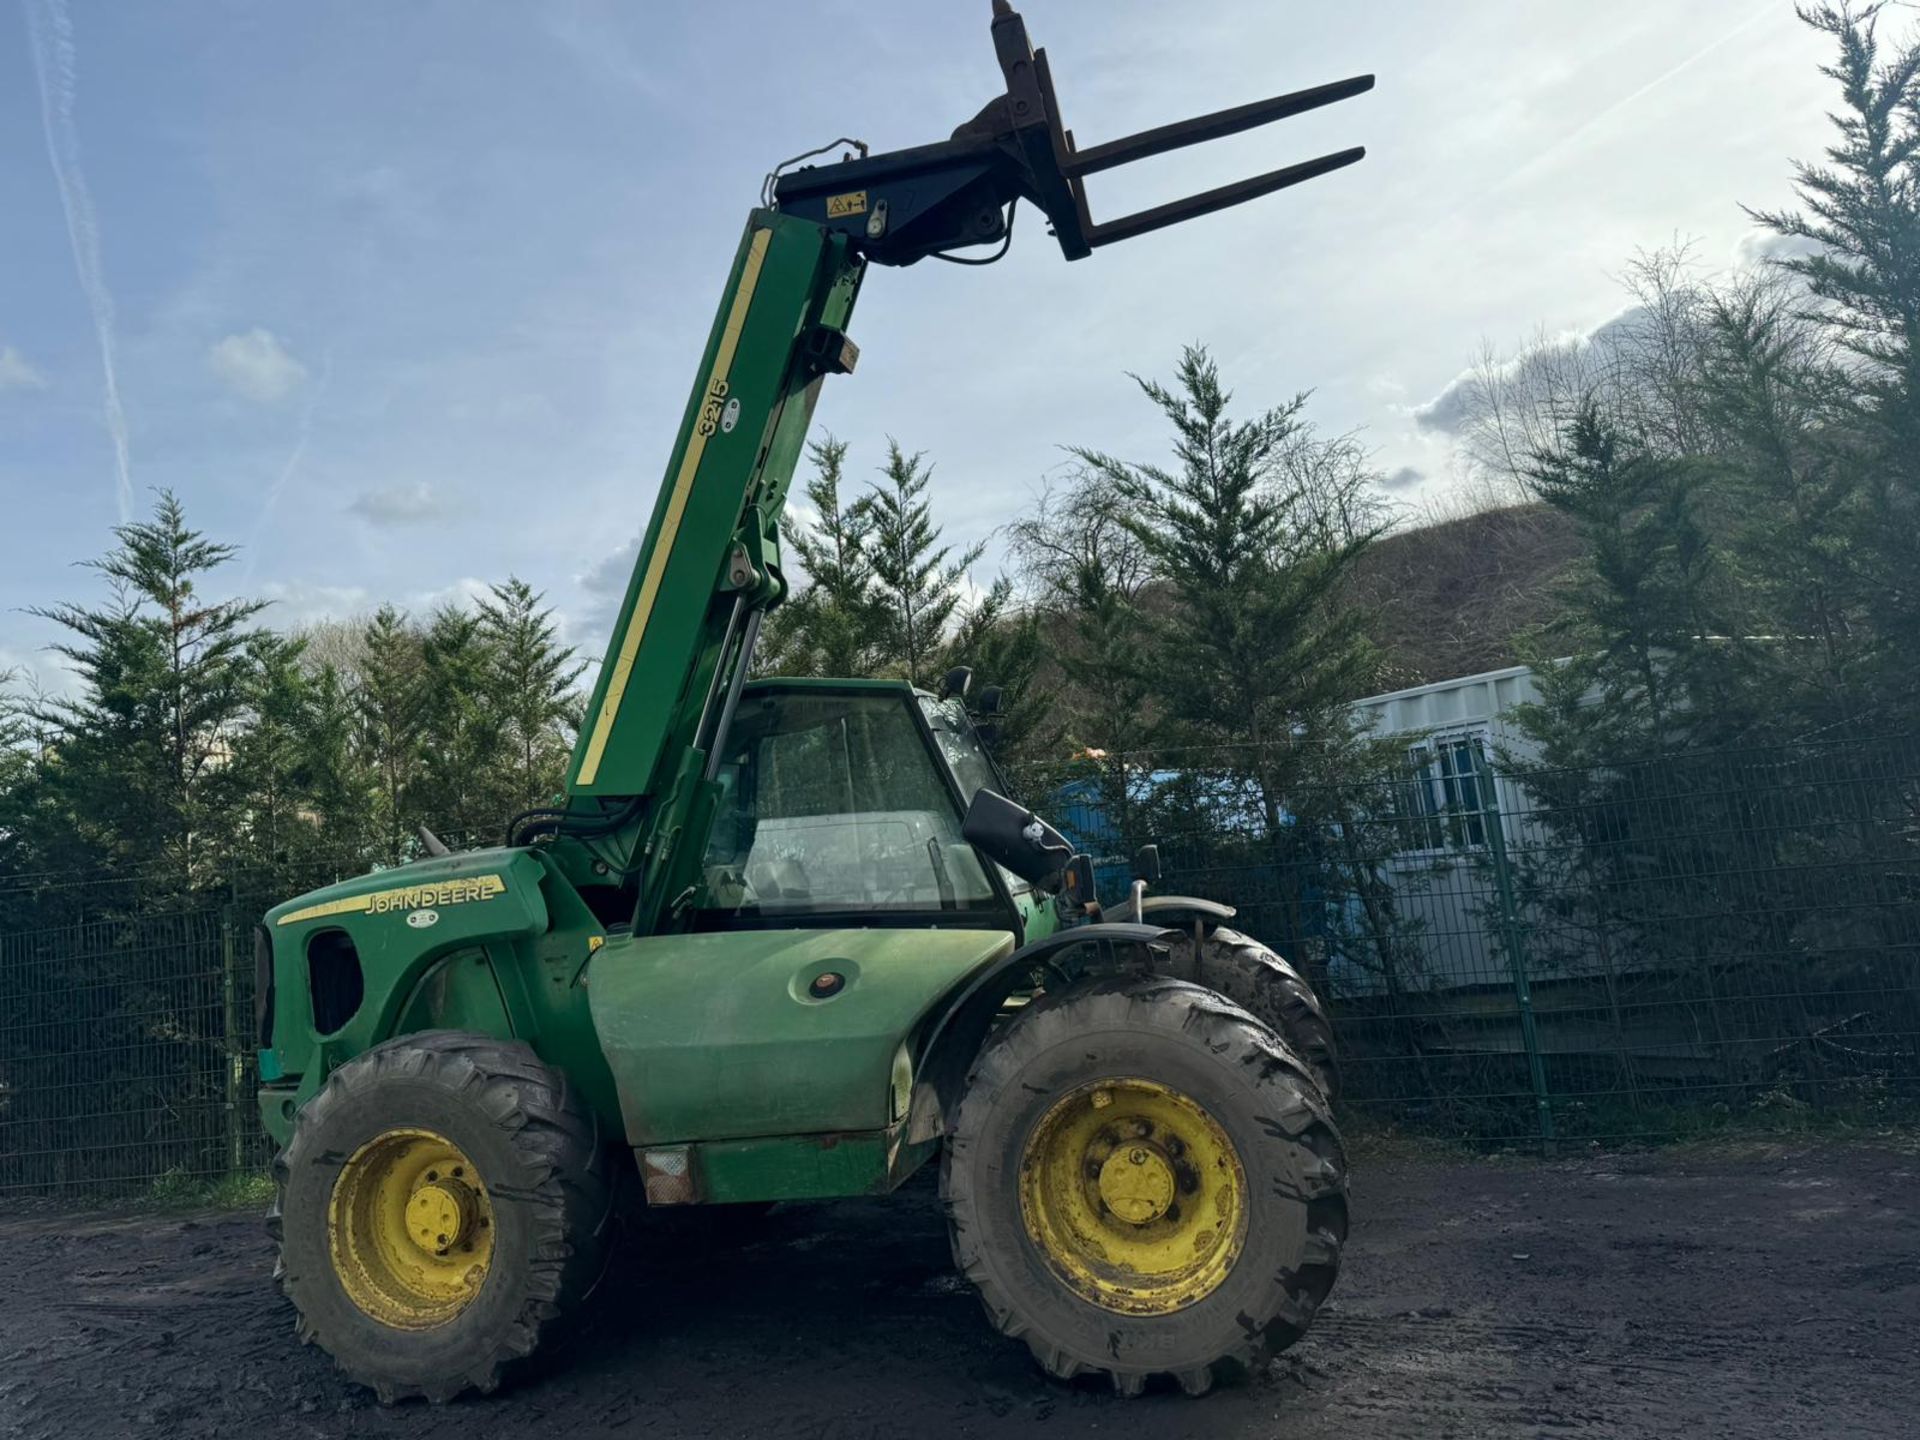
{"x": 443, "y": 1208}
{"x": 1268, "y": 987}
{"x": 1142, "y": 1180}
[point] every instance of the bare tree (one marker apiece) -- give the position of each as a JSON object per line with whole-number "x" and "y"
{"x": 1074, "y": 545}
{"x": 1334, "y": 485}
{"x": 1518, "y": 406}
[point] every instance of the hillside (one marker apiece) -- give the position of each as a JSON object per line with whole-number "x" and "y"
{"x": 1455, "y": 597}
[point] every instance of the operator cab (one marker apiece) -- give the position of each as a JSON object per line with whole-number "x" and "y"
{"x": 841, "y": 803}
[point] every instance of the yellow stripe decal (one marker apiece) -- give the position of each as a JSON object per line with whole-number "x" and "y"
{"x": 404, "y": 897}
{"x": 676, "y": 508}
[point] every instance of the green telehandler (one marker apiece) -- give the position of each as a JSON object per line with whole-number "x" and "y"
{"x": 787, "y": 939}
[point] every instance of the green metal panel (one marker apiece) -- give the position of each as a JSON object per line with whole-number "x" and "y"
{"x": 1039, "y": 916}
{"x": 504, "y": 954}
{"x": 806, "y": 1167}
{"x": 461, "y": 992}
{"x": 726, "y": 483}
{"x": 718, "y": 1037}
{"x": 402, "y": 922}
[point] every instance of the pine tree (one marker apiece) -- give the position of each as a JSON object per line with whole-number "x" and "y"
{"x": 19, "y": 775}
{"x": 141, "y": 761}
{"x": 919, "y": 586}
{"x": 269, "y": 757}
{"x": 531, "y": 678}
{"x": 1861, "y": 213}
{"x": 1654, "y": 649}
{"x": 342, "y": 788}
{"x": 391, "y": 700}
{"x": 1007, "y": 649}
{"x": 1254, "y": 647}
{"x": 832, "y": 625}
{"x": 1085, "y": 569}
{"x": 1782, "y": 486}
{"x": 462, "y": 789}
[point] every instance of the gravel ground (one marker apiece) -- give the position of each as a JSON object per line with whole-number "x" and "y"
{"x": 1766, "y": 1291}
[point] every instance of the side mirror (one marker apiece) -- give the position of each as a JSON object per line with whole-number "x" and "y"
{"x": 1146, "y": 864}
{"x": 1016, "y": 838}
{"x": 992, "y": 700}
{"x": 955, "y": 682}
{"x": 1077, "y": 886}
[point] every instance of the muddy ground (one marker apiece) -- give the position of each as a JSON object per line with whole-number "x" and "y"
{"x": 1764, "y": 1292}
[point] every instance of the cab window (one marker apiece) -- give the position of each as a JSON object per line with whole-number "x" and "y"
{"x": 831, "y": 803}
{"x": 972, "y": 771}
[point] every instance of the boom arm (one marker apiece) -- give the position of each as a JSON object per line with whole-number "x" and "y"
{"x": 711, "y": 553}
{"x": 708, "y": 569}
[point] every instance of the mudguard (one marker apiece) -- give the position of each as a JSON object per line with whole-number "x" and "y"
{"x": 1061, "y": 958}
{"x": 1163, "y": 904}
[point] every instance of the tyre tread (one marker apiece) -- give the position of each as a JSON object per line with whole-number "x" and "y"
{"x": 1272, "y": 989}
{"x": 1301, "y": 1114}
{"x": 567, "y": 1182}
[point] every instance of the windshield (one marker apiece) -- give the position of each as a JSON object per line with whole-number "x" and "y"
{"x": 953, "y": 733}
{"x": 831, "y": 803}
{"x": 972, "y": 771}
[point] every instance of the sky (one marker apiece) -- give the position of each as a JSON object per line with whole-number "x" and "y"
{"x": 405, "y": 299}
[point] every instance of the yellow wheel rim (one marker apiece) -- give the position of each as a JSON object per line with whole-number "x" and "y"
{"x": 1134, "y": 1196}
{"x": 410, "y": 1229}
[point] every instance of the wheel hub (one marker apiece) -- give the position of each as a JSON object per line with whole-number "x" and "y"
{"x": 410, "y": 1229}
{"x": 441, "y": 1214}
{"x": 1134, "y": 1196}
{"x": 1137, "y": 1183}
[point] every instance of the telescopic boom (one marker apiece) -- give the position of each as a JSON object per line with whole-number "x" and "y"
{"x": 709, "y": 567}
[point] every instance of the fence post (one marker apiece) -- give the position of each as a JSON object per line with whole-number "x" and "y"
{"x": 1516, "y": 941}
{"x": 233, "y": 1041}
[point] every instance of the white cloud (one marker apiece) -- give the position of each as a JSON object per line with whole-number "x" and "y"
{"x": 302, "y": 602}
{"x": 605, "y": 585}
{"x": 806, "y": 516}
{"x": 1768, "y": 247}
{"x": 1452, "y": 410}
{"x": 463, "y": 594}
{"x": 299, "y": 602}
{"x": 609, "y": 575}
{"x": 256, "y": 365}
{"x": 16, "y": 373}
{"x": 399, "y": 504}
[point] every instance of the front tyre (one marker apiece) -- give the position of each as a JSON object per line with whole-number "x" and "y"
{"x": 1142, "y": 1181}
{"x": 1270, "y": 989}
{"x": 443, "y": 1205}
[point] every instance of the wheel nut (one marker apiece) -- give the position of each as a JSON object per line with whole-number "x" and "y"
{"x": 1138, "y": 1157}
